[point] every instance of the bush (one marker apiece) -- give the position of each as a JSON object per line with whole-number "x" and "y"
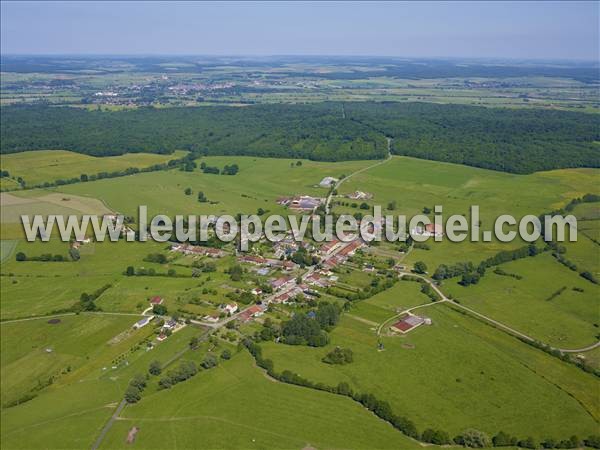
{"x": 339, "y": 356}
{"x": 420, "y": 267}
{"x": 473, "y": 438}
{"x": 155, "y": 368}
{"x": 209, "y": 361}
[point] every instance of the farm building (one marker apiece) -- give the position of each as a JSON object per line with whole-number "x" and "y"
{"x": 410, "y": 322}
{"x": 197, "y": 250}
{"x": 328, "y": 182}
{"x": 252, "y": 259}
{"x": 429, "y": 229}
{"x": 169, "y": 325}
{"x": 305, "y": 203}
{"x": 360, "y": 195}
{"x": 156, "y": 300}
{"x": 253, "y": 311}
{"x": 142, "y": 322}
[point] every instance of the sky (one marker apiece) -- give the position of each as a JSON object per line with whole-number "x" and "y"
{"x": 521, "y": 30}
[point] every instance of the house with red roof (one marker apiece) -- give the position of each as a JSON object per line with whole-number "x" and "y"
{"x": 156, "y": 300}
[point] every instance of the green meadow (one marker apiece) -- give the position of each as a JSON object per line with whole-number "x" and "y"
{"x": 569, "y": 319}
{"x": 455, "y": 374}
{"x": 264, "y": 414}
{"x": 72, "y": 410}
{"x": 258, "y": 184}
{"x": 50, "y": 165}
{"x": 34, "y": 350}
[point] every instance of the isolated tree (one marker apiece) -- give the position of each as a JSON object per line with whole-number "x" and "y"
{"x": 235, "y": 272}
{"x": 188, "y": 191}
{"x": 159, "y": 310}
{"x": 139, "y": 381}
{"x": 155, "y": 368}
{"x": 420, "y": 267}
{"x": 132, "y": 394}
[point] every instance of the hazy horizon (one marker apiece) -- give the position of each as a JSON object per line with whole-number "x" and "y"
{"x": 548, "y": 31}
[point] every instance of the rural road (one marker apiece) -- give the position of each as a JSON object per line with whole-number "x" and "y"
{"x": 98, "y": 313}
{"x": 108, "y": 425}
{"x": 339, "y": 183}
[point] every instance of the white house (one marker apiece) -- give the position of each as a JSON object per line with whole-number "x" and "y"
{"x": 230, "y": 308}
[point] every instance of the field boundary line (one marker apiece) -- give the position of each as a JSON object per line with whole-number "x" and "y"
{"x": 108, "y": 425}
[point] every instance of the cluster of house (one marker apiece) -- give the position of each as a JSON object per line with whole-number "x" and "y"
{"x": 113, "y": 218}
{"x": 288, "y": 245}
{"x": 169, "y": 325}
{"x": 196, "y": 250}
{"x": 226, "y": 308}
{"x": 409, "y": 322}
{"x": 268, "y": 262}
{"x": 337, "y": 252}
{"x": 301, "y": 202}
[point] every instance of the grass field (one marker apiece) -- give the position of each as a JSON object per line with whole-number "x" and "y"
{"x": 26, "y": 361}
{"x": 258, "y": 184}
{"x": 32, "y": 288}
{"x": 569, "y": 320}
{"x": 263, "y": 413}
{"x": 6, "y": 249}
{"x": 414, "y": 184}
{"x": 71, "y": 412}
{"x": 50, "y": 165}
{"x": 456, "y": 374}
{"x": 14, "y": 206}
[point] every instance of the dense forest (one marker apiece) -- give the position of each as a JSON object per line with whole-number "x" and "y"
{"x": 315, "y": 132}
{"x": 511, "y": 140}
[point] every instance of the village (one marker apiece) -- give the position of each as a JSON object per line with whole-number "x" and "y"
{"x": 288, "y": 274}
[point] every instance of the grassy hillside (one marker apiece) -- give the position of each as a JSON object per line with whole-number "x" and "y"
{"x": 453, "y": 375}
{"x": 263, "y": 413}
{"x": 51, "y": 165}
